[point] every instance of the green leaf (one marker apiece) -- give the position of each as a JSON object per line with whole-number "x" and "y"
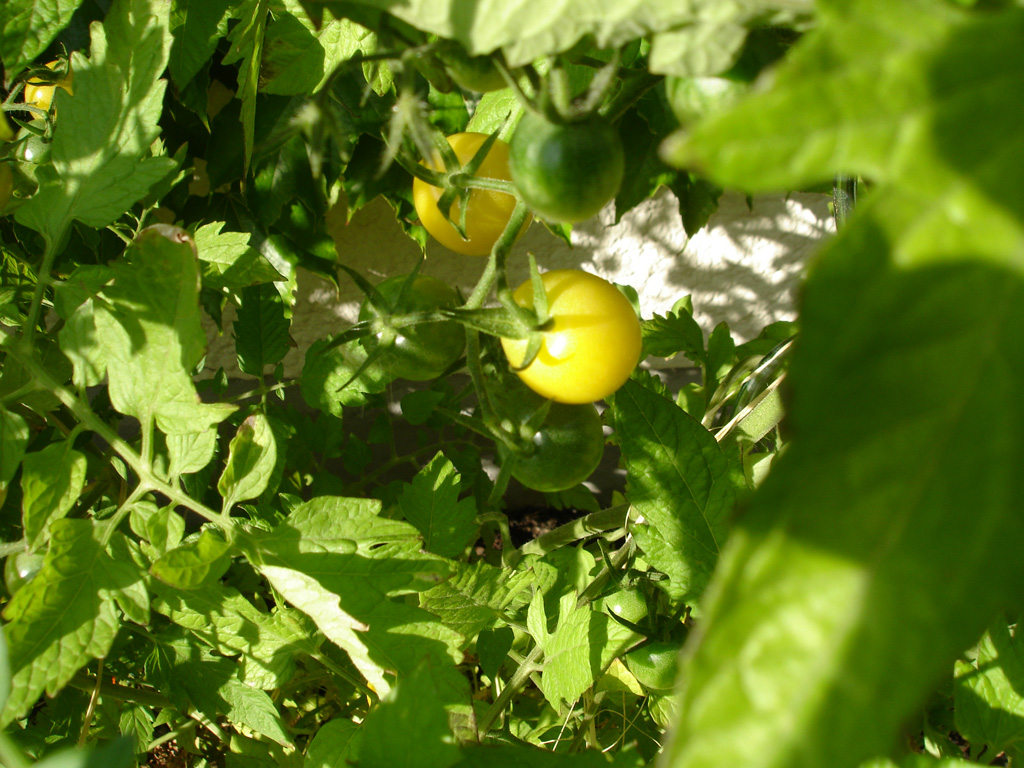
{"x": 65, "y": 616}
{"x": 989, "y": 704}
{"x": 101, "y": 157}
{"x": 220, "y": 617}
{"x": 51, "y": 481}
{"x": 195, "y": 564}
{"x": 261, "y": 329}
{"x": 192, "y": 676}
{"x": 252, "y": 457}
{"x": 299, "y": 56}
{"x": 431, "y": 503}
{"x": 478, "y": 597}
{"x": 680, "y": 483}
{"x": 894, "y": 499}
{"x": 667, "y": 335}
{"x": 13, "y": 441}
{"x": 247, "y": 39}
{"x": 527, "y": 756}
{"x": 335, "y": 745}
{"x": 197, "y": 26}
{"x": 339, "y": 562}
{"x": 229, "y": 262}
{"x": 567, "y": 668}
{"x": 144, "y": 332}
{"x": 492, "y": 647}
{"x": 327, "y": 381}
{"x": 136, "y": 725}
{"x": 27, "y": 27}
{"x": 410, "y": 726}
{"x": 5, "y": 671}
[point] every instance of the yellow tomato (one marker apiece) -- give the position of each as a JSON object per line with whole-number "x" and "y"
{"x": 487, "y": 211}
{"x": 40, "y": 94}
{"x": 593, "y": 342}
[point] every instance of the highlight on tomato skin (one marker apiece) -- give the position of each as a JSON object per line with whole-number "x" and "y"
{"x": 487, "y": 211}
{"x": 592, "y": 344}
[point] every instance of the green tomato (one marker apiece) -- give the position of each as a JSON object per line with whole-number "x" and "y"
{"x": 566, "y": 172}
{"x": 655, "y": 665}
{"x": 20, "y": 569}
{"x": 627, "y": 604}
{"x": 417, "y": 352}
{"x": 559, "y": 453}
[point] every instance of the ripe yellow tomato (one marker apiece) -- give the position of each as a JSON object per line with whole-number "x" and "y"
{"x": 593, "y": 342}
{"x": 40, "y": 94}
{"x": 487, "y": 211}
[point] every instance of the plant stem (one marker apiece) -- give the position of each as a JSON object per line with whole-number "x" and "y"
{"x": 517, "y": 681}
{"x": 90, "y": 710}
{"x": 595, "y": 523}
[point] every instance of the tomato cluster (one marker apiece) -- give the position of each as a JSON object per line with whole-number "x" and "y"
{"x": 40, "y": 94}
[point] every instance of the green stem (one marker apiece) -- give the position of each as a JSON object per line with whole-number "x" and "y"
{"x": 90, "y": 710}
{"x": 84, "y": 682}
{"x": 632, "y": 89}
{"x": 595, "y": 523}
{"x": 42, "y": 283}
{"x": 517, "y": 681}
{"x": 95, "y": 424}
{"x": 844, "y": 198}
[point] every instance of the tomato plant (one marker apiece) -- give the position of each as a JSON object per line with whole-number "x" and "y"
{"x": 591, "y": 343}
{"x": 474, "y": 73}
{"x": 487, "y": 211}
{"x": 39, "y": 93}
{"x": 566, "y": 172}
{"x": 416, "y": 352}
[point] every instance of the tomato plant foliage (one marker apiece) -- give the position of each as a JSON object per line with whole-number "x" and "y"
{"x": 324, "y": 563}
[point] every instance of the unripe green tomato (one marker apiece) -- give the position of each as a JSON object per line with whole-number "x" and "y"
{"x": 566, "y": 172}
{"x": 692, "y": 98}
{"x": 418, "y": 352}
{"x": 655, "y": 665}
{"x": 627, "y": 604}
{"x": 20, "y": 569}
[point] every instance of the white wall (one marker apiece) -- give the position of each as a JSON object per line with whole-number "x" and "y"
{"x": 743, "y": 268}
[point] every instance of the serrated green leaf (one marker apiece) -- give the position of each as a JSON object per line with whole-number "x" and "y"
{"x": 478, "y": 597}
{"x": 410, "y": 726}
{"x": 327, "y": 382}
{"x": 335, "y": 745}
{"x": 667, "y": 335}
{"x": 222, "y": 618}
{"x": 193, "y": 677}
{"x": 895, "y": 499}
{"x": 144, "y": 332}
{"x": 101, "y": 157}
{"x": 299, "y": 56}
{"x": 567, "y": 650}
{"x": 64, "y": 617}
{"x": 136, "y": 725}
{"x": 340, "y": 563}
{"x": 13, "y": 441}
{"x": 247, "y": 38}
{"x": 681, "y": 484}
{"x": 252, "y": 457}
{"x": 261, "y": 329}
{"x": 431, "y": 503}
{"x": 988, "y": 702}
{"x": 51, "y": 481}
{"x": 190, "y": 452}
{"x": 229, "y": 262}
{"x": 195, "y": 564}
{"x": 28, "y": 26}
{"x": 197, "y": 26}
